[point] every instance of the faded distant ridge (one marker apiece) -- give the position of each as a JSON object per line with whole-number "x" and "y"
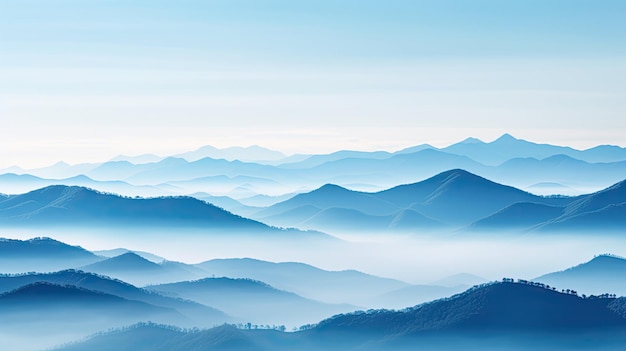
{"x": 305, "y": 280}
{"x": 253, "y": 300}
{"x": 244, "y": 172}
{"x": 135, "y": 269}
{"x": 63, "y": 205}
{"x": 508, "y": 147}
{"x": 248, "y": 154}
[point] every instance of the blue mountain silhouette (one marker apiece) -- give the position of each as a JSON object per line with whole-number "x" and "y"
{"x": 497, "y": 307}
{"x": 42, "y": 313}
{"x": 41, "y": 254}
{"x": 42, "y": 248}
{"x": 193, "y": 312}
{"x": 252, "y": 300}
{"x": 63, "y": 205}
{"x": 305, "y": 280}
{"x": 605, "y": 209}
{"x": 133, "y": 268}
{"x": 521, "y": 215}
{"x": 601, "y": 275}
{"x": 455, "y": 197}
{"x": 507, "y": 147}
{"x": 512, "y": 316}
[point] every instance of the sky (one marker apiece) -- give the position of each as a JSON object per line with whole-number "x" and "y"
{"x": 84, "y": 81}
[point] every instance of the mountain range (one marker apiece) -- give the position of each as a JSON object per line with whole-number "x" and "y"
{"x": 194, "y": 313}
{"x": 506, "y": 315}
{"x": 561, "y": 309}
{"x": 449, "y": 200}
{"x": 58, "y": 204}
{"x": 37, "y": 314}
{"x": 133, "y": 268}
{"x": 246, "y": 172}
{"x": 253, "y": 301}
{"x": 312, "y": 283}
{"x": 42, "y": 254}
{"x": 334, "y": 287}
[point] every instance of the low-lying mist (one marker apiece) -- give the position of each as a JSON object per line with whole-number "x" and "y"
{"x": 415, "y": 258}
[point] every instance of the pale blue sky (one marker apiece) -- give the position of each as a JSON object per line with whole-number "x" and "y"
{"x": 87, "y": 80}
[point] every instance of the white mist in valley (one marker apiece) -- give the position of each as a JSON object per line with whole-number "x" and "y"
{"x": 414, "y": 258}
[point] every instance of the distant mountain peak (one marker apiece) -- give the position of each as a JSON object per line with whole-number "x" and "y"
{"x": 61, "y": 164}
{"x": 131, "y": 258}
{"x": 472, "y": 140}
{"x": 506, "y": 137}
{"x": 127, "y": 261}
{"x": 458, "y": 173}
{"x": 331, "y": 187}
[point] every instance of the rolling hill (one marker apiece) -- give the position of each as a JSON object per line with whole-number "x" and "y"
{"x": 603, "y": 274}
{"x": 36, "y": 315}
{"x": 194, "y": 314}
{"x": 453, "y": 198}
{"x": 310, "y": 282}
{"x": 75, "y": 206}
{"x": 137, "y": 270}
{"x": 496, "y": 316}
{"x": 252, "y": 301}
{"x": 42, "y": 254}
{"x": 604, "y": 210}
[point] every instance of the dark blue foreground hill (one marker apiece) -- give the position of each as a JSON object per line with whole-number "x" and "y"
{"x": 72, "y": 205}
{"x": 497, "y": 307}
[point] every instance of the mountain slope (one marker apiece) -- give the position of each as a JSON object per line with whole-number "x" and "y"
{"x": 41, "y": 254}
{"x": 252, "y": 301}
{"x": 151, "y": 337}
{"x": 328, "y": 286}
{"x": 500, "y": 316}
{"x": 36, "y": 315}
{"x": 495, "y": 307}
{"x": 603, "y": 274}
{"x": 194, "y": 313}
{"x": 452, "y": 198}
{"x": 135, "y": 269}
{"x": 333, "y": 196}
{"x": 62, "y": 205}
{"x": 521, "y": 215}
{"x": 605, "y": 209}
{"x": 459, "y": 197}
{"x": 507, "y": 147}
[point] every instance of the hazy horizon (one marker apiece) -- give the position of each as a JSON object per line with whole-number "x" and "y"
{"x": 84, "y": 81}
{"x": 315, "y": 151}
